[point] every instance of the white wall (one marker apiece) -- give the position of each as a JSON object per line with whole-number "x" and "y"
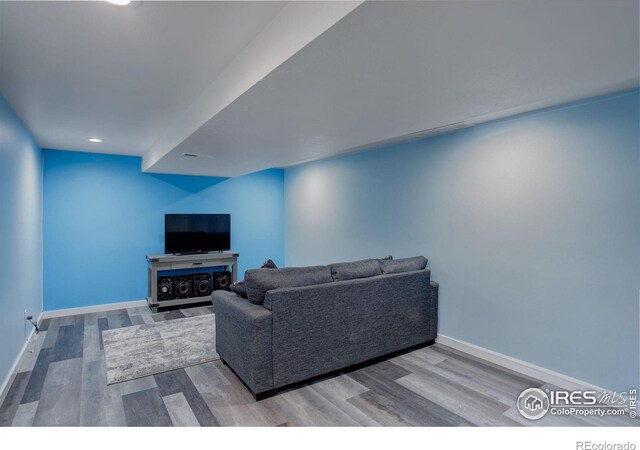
{"x": 531, "y": 226}
{"x": 20, "y": 235}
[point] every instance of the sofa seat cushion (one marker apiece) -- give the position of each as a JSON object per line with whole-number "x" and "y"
{"x": 403, "y": 265}
{"x": 357, "y": 269}
{"x": 259, "y": 281}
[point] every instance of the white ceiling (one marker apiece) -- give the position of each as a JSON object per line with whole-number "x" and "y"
{"x": 296, "y": 82}
{"x": 72, "y": 70}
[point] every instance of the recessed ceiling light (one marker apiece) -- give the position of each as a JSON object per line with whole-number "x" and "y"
{"x": 120, "y": 2}
{"x": 96, "y": 140}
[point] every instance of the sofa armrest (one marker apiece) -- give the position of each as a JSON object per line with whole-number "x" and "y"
{"x": 243, "y": 339}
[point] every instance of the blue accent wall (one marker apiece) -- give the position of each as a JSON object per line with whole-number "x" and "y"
{"x": 20, "y": 234}
{"x": 531, "y": 226}
{"x": 102, "y": 215}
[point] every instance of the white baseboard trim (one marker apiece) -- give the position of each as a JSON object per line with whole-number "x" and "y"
{"x": 518, "y": 365}
{"x": 14, "y": 367}
{"x": 92, "y": 309}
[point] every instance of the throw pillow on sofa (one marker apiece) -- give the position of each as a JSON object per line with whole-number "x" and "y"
{"x": 268, "y": 264}
{"x": 239, "y": 288}
{"x": 259, "y": 281}
{"x": 403, "y": 265}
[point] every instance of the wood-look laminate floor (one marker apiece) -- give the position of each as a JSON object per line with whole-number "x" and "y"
{"x": 63, "y": 382}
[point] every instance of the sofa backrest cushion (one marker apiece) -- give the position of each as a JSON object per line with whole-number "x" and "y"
{"x": 356, "y": 269}
{"x": 259, "y": 281}
{"x": 403, "y": 265}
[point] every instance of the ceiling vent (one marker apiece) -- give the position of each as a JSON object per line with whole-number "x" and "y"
{"x": 193, "y": 155}
{"x": 441, "y": 130}
{"x": 414, "y": 136}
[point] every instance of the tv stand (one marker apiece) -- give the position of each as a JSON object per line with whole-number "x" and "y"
{"x": 157, "y": 263}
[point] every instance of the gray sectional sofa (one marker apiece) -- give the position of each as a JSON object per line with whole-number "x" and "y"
{"x": 299, "y": 323}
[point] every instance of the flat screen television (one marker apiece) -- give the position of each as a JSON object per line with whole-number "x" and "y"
{"x": 197, "y": 233}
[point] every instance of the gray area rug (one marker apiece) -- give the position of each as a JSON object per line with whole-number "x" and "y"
{"x": 142, "y": 350}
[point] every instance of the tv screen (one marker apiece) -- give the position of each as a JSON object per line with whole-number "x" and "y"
{"x": 196, "y": 233}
